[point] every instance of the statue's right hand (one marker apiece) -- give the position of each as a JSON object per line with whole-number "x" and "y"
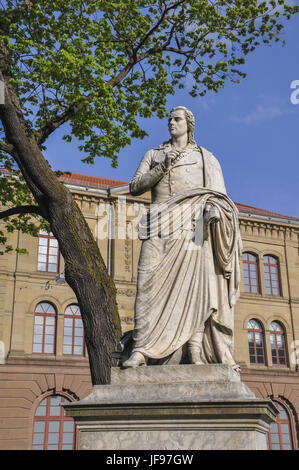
{"x": 170, "y": 156}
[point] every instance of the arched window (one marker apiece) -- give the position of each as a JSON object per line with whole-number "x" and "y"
{"x": 250, "y": 273}
{"x": 44, "y": 329}
{"x": 256, "y": 343}
{"x": 279, "y": 435}
{"x": 48, "y": 253}
{"x": 73, "y": 333}
{"x": 272, "y": 278}
{"x": 52, "y": 430}
{"x": 278, "y": 344}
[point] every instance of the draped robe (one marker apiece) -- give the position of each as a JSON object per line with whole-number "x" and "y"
{"x": 188, "y": 278}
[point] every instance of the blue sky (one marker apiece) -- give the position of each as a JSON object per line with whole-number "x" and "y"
{"x": 252, "y": 128}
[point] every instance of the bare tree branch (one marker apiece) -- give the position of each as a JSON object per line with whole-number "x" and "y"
{"x": 7, "y": 148}
{"x": 51, "y": 126}
{"x": 20, "y": 210}
{"x": 156, "y": 26}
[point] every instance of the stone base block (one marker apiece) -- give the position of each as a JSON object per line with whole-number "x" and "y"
{"x": 184, "y": 407}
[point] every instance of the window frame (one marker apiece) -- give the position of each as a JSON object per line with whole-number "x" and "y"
{"x": 44, "y": 325}
{"x": 269, "y": 265}
{"x": 73, "y": 317}
{"x": 49, "y": 236}
{"x": 248, "y": 263}
{"x": 262, "y": 333}
{"x": 279, "y": 421}
{"x": 276, "y": 333}
{"x": 47, "y": 418}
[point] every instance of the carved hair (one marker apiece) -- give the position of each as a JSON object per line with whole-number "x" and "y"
{"x": 190, "y": 122}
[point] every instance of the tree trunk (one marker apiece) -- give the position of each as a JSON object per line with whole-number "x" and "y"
{"x": 85, "y": 270}
{"x": 86, "y": 274}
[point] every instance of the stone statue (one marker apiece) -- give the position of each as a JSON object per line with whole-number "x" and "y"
{"x": 188, "y": 271}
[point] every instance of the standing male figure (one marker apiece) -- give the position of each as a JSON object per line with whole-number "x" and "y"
{"x": 188, "y": 271}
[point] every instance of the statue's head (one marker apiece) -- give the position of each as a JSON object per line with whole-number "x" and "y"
{"x": 190, "y": 122}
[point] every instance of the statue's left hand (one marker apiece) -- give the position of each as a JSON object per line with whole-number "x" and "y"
{"x": 212, "y": 215}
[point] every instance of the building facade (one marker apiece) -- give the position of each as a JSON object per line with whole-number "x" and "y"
{"x": 43, "y": 359}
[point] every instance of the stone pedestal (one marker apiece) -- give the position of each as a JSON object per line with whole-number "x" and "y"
{"x": 184, "y": 407}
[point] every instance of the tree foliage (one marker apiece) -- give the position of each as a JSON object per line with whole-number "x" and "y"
{"x": 102, "y": 64}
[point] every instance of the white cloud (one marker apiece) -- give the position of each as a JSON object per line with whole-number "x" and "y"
{"x": 261, "y": 113}
{"x": 269, "y": 108}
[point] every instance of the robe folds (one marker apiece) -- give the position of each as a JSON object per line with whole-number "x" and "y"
{"x": 188, "y": 275}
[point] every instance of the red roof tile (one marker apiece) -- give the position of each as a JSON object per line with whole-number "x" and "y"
{"x": 257, "y": 211}
{"x": 90, "y": 181}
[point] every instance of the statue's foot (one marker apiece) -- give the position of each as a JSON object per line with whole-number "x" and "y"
{"x": 195, "y": 356}
{"x": 137, "y": 359}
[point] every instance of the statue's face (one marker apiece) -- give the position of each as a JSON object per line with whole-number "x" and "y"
{"x": 177, "y": 123}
